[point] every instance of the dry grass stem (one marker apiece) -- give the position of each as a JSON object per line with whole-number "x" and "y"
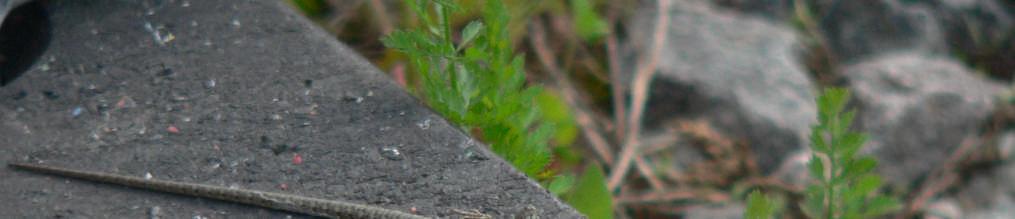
{"x": 336, "y": 21}
{"x": 648, "y": 173}
{"x": 674, "y": 195}
{"x": 942, "y": 178}
{"x": 381, "y": 17}
{"x": 537, "y": 40}
{"x": 669, "y": 210}
{"x": 641, "y": 81}
{"x": 660, "y": 143}
{"x": 591, "y": 133}
{"x": 616, "y": 84}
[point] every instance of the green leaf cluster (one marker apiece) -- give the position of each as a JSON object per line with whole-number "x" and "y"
{"x": 846, "y": 185}
{"x": 587, "y": 23}
{"x": 312, "y": 8}
{"x": 591, "y": 196}
{"x": 477, "y": 82}
{"x": 759, "y": 206}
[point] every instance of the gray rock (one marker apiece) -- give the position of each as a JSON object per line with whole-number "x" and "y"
{"x": 917, "y": 109}
{"x": 779, "y": 10}
{"x": 739, "y": 73}
{"x": 988, "y": 193}
{"x": 794, "y": 169}
{"x": 7, "y": 5}
{"x": 981, "y": 191}
{"x": 1006, "y": 145}
{"x": 998, "y": 205}
{"x": 123, "y": 88}
{"x": 859, "y": 29}
{"x": 725, "y": 211}
{"x": 1003, "y": 208}
{"x": 946, "y": 208}
{"x": 981, "y": 32}
{"x": 989, "y": 19}
{"x": 1003, "y": 176}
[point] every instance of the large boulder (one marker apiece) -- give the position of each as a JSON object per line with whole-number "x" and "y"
{"x": 917, "y": 109}
{"x": 979, "y": 32}
{"x": 739, "y": 73}
{"x": 244, "y": 94}
{"x": 8, "y": 5}
{"x": 982, "y": 33}
{"x": 856, "y": 30}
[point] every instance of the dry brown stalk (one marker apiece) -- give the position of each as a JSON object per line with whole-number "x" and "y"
{"x": 674, "y": 195}
{"x": 381, "y": 17}
{"x": 642, "y": 77}
{"x": 942, "y": 178}
{"x": 599, "y": 144}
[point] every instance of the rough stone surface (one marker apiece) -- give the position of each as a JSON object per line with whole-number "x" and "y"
{"x": 976, "y": 31}
{"x": 859, "y": 29}
{"x": 917, "y": 109}
{"x": 971, "y": 21}
{"x": 7, "y": 5}
{"x": 781, "y": 10}
{"x": 725, "y": 211}
{"x": 1006, "y": 144}
{"x": 1002, "y": 208}
{"x": 979, "y": 32}
{"x": 988, "y": 194}
{"x": 739, "y": 73}
{"x": 983, "y": 32}
{"x": 946, "y": 208}
{"x": 231, "y": 93}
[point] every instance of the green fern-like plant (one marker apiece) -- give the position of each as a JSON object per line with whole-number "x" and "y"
{"x": 846, "y": 186}
{"x": 759, "y": 206}
{"x": 587, "y": 23}
{"x": 477, "y": 82}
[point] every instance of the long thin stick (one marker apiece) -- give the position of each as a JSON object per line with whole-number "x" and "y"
{"x": 584, "y": 119}
{"x": 943, "y": 178}
{"x": 381, "y": 14}
{"x": 279, "y": 201}
{"x": 616, "y": 83}
{"x": 639, "y": 96}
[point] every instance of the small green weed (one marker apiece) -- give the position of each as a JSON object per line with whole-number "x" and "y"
{"x": 759, "y": 206}
{"x": 590, "y": 196}
{"x": 587, "y": 23}
{"x": 845, "y": 184}
{"x": 479, "y": 84}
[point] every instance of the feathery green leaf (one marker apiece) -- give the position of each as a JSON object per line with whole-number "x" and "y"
{"x": 847, "y": 193}
{"x": 590, "y": 195}
{"x": 759, "y": 206}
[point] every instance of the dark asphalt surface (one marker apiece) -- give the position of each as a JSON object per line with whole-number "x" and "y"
{"x": 244, "y": 93}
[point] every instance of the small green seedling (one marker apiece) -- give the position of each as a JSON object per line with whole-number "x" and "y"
{"x": 759, "y": 206}
{"x": 845, "y": 184}
{"x": 587, "y": 23}
{"x": 477, "y": 83}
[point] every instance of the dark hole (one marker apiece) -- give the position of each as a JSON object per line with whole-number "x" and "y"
{"x": 24, "y": 34}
